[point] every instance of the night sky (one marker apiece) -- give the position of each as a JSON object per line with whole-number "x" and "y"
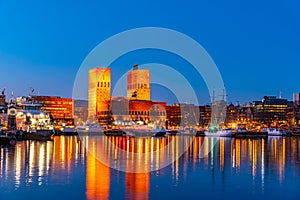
{"x": 255, "y": 44}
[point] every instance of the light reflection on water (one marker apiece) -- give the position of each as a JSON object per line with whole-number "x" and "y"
{"x": 63, "y": 167}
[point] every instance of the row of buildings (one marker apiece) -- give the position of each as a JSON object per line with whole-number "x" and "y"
{"x": 270, "y": 111}
{"x": 61, "y": 110}
{"x": 137, "y": 107}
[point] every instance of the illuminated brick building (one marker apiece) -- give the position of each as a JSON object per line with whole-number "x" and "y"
{"x": 185, "y": 115}
{"x": 3, "y": 109}
{"x": 121, "y": 110}
{"x": 60, "y": 109}
{"x": 2, "y": 100}
{"x": 148, "y": 111}
{"x": 99, "y": 94}
{"x": 124, "y": 111}
{"x": 138, "y": 84}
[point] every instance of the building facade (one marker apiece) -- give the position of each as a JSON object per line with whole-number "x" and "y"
{"x": 296, "y": 108}
{"x": 183, "y": 115}
{"x": 2, "y": 100}
{"x": 232, "y": 115}
{"x": 127, "y": 112}
{"x": 138, "y": 84}
{"x": 3, "y": 109}
{"x": 205, "y": 115}
{"x": 148, "y": 112}
{"x": 80, "y": 111}
{"x": 60, "y": 109}
{"x": 99, "y": 94}
{"x": 271, "y": 111}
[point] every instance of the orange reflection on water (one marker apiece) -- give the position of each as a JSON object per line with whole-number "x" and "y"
{"x": 238, "y": 153}
{"x": 97, "y": 179}
{"x": 137, "y": 185}
{"x": 33, "y": 162}
{"x": 222, "y": 151}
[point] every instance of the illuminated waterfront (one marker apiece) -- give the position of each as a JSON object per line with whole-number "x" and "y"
{"x": 235, "y": 168}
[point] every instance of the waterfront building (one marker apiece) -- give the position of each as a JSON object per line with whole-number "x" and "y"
{"x": 3, "y": 109}
{"x": 271, "y": 111}
{"x": 245, "y": 115}
{"x": 296, "y": 98}
{"x": 296, "y": 108}
{"x": 138, "y": 84}
{"x": 99, "y": 94}
{"x": 120, "y": 111}
{"x": 184, "y": 115}
{"x": 61, "y": 110}
{"x": 174, "y": 115}
{"x": 80, "y": 111}
{"x": 126, "y": 112}
{"x": 148, "y": 112}
{"x": 205, "y": 115}
{"x": 11, "y": 115}
{"x": 291, "y": 114}
{"x": 231, "y": 116}
{"x": 2, "y": 100}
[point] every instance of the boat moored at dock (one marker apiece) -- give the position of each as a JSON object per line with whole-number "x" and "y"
{"x": 114, "y": 132}
{"x": 275, "y": 132}
{"x": 7, "y": 138}
{"x": 220, "y": 133}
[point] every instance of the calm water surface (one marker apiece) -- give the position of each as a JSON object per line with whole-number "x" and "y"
{"x": 232, "y": 169}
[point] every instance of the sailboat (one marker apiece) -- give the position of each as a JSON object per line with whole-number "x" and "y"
{"x": 218, "y": 118}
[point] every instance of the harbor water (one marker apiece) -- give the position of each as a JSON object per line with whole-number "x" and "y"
{"x": 210, "y": 168}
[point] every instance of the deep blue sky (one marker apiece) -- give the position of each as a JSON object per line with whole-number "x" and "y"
{"x": 255, "y": 44}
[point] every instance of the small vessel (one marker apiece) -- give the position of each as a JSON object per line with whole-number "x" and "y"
{"x": 276, "y": 132}
{"x": 114, "y": 132}
{"x": 219, "y": 133}
{"x": 145, "y": 131}
{"x": 7, "y": 139}
{"x": 159, "y": 133}
{"x": 93, "y": 129}
{"x": 38, "y": 134}
{"x": 67, "y": 130}
{"x": 172, "y": 132}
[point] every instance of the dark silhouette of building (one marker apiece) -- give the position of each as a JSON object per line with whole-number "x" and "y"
{"x": 296, "y": 108}
{"x": 271, "y": 110}
{"x": 184, "y": 115}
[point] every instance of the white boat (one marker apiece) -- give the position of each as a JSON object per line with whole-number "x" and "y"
{"x": 145, "y": 131}
{"x": 68, "y": 130}
{"x": 31, "y": 120}
{"x": 275, "y": 132}
{"x": 219, "y": 133}
{"x": 90, "y": 128}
